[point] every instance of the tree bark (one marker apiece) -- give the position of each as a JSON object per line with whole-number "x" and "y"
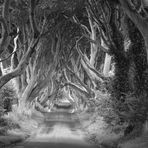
{"x": 27, "y": 91}
{"x": 22, "y": 65}
{"x": 0, "y": 72}
{"x": 4, "y": 42}
{"x": 2, "y": 69}
{"x": 141, "y": 23}
{"x": 107, "y": 64}
{"x": 93, "y": 37}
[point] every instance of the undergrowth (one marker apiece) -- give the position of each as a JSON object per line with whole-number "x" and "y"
{"x": 7, "y": 94}
{"x": 23, "y": 120}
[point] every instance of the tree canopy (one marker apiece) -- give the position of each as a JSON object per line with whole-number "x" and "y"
{"x": 81, "y": 48}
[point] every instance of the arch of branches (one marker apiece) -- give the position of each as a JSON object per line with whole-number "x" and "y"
{"x": 73, "y": 46}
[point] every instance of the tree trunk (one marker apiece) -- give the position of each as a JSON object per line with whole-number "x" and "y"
{"x": 138, "y": 54}
{"x": 141, "y": 23}
{"x": 27, "y": 91}
{"x": 146, "y": 42}
{"x": 107, "y": 64}
{"x": 4, "y": 79}
{"x": 18, "y": 85}
{"x": 24, "y": 81}
{"x": 94, "y": 47}
{"x": 1, "y": 68}
{"x": 0, "y": 72}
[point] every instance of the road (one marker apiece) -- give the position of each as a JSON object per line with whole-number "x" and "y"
{"x": 60, "y": 130}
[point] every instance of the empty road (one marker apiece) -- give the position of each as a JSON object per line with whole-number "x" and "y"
{"x": 60, "y": 130}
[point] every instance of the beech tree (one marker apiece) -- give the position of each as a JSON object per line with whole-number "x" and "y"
{"x": 137, "y": 13}
{"x": 54, "y": 47}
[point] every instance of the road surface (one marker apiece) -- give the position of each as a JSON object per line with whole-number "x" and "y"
{"x": 60, "y": 130}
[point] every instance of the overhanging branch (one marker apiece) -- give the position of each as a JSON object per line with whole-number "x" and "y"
{"x": 77, "y": 88}
{"x": 87, "y": 63}
{"x": 73, "y": 73}
{"x": 32, "y": 19}
{"x": 2, "y": 60}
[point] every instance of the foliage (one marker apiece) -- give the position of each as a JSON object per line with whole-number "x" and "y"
{"x": 130, "y": 110}
{"x": 137, "y": 54}
{"x": 6, "y": 93}
{"x": 127, "y": 105}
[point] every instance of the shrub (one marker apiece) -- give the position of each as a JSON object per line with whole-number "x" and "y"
{"x": 6, "y": 95}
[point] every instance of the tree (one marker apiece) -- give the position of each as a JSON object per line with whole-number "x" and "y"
{"x": 69, "y": 47}
{"x": 133, "y": 11}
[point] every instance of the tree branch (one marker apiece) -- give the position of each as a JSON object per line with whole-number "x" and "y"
{"x": 22, "y": 65}
{"x": 5, "y": 41}
{"x": 141, "y": 23}
{"x": 98, "y": 43}
{"x": 88, "y": 65}
{"x": 32, "y": 19}
{"x": 5, "y": 35}
{"x": 12, "y": 53}
{"x": 77, "y": 88}
{"x": 86, "y": 88}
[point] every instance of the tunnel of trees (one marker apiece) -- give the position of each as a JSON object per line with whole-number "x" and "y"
{"x": 80, "y": 49}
